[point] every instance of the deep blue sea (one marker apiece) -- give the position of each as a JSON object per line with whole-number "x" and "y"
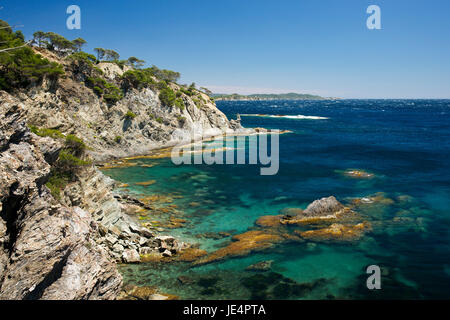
{"x": 405, "y": 144}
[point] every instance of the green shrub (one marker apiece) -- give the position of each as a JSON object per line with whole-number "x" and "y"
{"x": 112, "y": 98}
{"x": 43, "y": 132}
{"x": 159, "y": 120}
{"x": 162, "y": 74}
{"x": 22, "y": 67}
{"x": 120, "y": 63}
{"x": 162, "y": 85}
{"x": 179, "y": 103}
{"x": 33, "y": 129}
{"x": 110, "y": 93}
{"x": 138, "y": 79}
{"x": 98, "y": 70}
{"x": 63, "y": 172}
{"x": 167, "y": 97}
{"x": 197, "y": 103}
{"x": 87, "y": 58}
{"x": 118, "y": 139}
{"x": 187, "y": 92}
{"x": 57, "y": 182}
{"x": 98, "y": 91}
{"x": 75, "y": 145}
{"x": 65, "y": 168}
{"x": 68, "y": 160}
{"x": 95, "y": 82}
{"x": 130, "y": 115}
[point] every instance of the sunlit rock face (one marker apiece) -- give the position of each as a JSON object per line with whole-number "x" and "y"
{"x": 47, "y": 250}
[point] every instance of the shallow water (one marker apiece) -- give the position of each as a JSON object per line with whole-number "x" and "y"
{"x": 404, "y": 143}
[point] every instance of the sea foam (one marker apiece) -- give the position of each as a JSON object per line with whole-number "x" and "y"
{"x": 300, "y": 116}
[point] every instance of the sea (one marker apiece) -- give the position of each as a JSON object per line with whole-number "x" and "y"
{"x": 402, "y": 147}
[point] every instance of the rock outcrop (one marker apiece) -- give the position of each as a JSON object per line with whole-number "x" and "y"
{"x": 71, "y": 107}
{"x": 336, "y": 233}
{"x": 242, "y": 245}
{"x": 323, "y": 207}
{"x": 322, "y": 210}
{"x": 47, "y": 250}
{"x": 67, "y": 248}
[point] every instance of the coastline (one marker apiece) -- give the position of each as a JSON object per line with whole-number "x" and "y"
{"x": 167, "y": 147}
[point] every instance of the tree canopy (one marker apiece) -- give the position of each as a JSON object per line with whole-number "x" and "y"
{"x": 100, "y": 53}
{"x": 21, "y": 67}
{"x": 57, "y": 43}
{"x": 135, "y": 62}
{"x": 79, "y": 42}
{"x": 106, "y": 54}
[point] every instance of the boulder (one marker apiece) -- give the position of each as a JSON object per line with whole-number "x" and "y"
{"x": 260, "y": 266}
{"x": 323, "y": 207}
{"x": 131, "y": 256}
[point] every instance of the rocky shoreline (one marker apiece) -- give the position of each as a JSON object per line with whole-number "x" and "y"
{"x": 66, "y": 245}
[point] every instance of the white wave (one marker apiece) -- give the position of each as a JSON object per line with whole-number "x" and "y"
{"x": 300, "y": 116}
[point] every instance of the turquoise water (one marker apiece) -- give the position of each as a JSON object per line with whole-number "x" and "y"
{"x": 404, "y": 143}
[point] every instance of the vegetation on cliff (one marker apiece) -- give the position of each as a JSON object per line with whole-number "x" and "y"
{"x": 70, "y": 159}
{"x": 21, "y": 67}
{"x": 105, "y": 100}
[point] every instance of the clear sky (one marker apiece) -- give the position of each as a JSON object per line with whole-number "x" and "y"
{"x": 261, "y": 46}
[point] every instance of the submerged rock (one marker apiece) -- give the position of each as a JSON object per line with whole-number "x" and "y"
{"x": 269, "y": 221}
{"x": 151, "y": 257}
{"x": 190, "y": 254}
{"x": 336, "y": 232}
{"x": 137, "y": 293}
{"x": 213, "y": 235}
{"x": 260, "y": 266}
{"x": 185, "y": 280}
{"x": 242, "y": 245}
{"x": 378, "y": 198}
{"x": 146, "y": 183}
{"x": 291, "y": 212}
{"x": 273, "y": 285}
{"x": 358, "y": 174}
{"x": 131, "y": 292}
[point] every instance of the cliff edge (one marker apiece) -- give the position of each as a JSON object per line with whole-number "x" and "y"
{"x": 60, "y": 236}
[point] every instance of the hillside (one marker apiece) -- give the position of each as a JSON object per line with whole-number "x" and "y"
{"x": 256, "y": 97}
{"x": 62, "y": 226}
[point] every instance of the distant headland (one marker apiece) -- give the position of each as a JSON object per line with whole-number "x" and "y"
{"x": 281, "y": 96}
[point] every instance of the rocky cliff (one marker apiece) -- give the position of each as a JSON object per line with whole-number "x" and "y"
{"x": 47, "y": 250}
{"x": 66, "y": 247}
{"x": 72, "y": 107}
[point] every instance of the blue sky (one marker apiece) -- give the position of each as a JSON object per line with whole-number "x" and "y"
{"x": 259, "y": 46}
